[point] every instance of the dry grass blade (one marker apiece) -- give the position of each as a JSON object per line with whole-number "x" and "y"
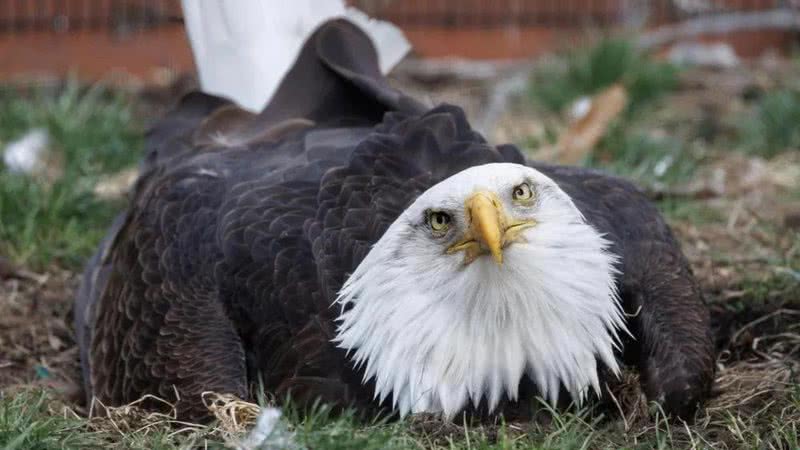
{"x": 746, "y": 386}
{"x": 234, "y": 416}
{"x": 762, "y": 319}
{"x": 135, "y": 418}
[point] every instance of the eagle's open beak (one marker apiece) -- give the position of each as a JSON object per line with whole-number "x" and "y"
{"x": 490, "y": 229}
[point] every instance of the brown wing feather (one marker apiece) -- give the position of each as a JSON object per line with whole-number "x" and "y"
{"x": 159, "y": 328}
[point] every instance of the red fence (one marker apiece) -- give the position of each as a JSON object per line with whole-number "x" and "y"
{"x": 96, "y": 37}
{"x": 556, "y": 13}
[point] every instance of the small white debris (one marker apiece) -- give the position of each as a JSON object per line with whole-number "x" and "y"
{"x": 716, "y": 56}
{"x": 27, "y": 154}
{"x": 693, "y": 6}
{"x": 580, "y": 108}
{"x": 269, "y": 433}
{"x": 663, "y": 165}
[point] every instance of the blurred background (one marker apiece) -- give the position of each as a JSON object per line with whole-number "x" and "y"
{"x": 477, "y": 53}
{"x": 697, "y": 101}
{"x": 139, "y": 37}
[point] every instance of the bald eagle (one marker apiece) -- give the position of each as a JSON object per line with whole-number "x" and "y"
{"x": 352, "y": 245}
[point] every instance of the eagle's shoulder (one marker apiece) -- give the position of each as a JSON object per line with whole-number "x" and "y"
{"x": 614, "y": 205}
{"x": 663, "y": 300}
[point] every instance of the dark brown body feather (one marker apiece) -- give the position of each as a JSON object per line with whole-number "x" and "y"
{"x": 242, "y": 228}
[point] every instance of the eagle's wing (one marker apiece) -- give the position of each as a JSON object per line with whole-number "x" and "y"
{"x": 672, "y": 344}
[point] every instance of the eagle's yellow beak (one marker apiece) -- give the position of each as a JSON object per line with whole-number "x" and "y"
{"x": 490, "y": 229}
{"x": 486, "y": 219}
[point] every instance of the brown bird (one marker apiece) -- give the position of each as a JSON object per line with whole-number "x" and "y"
{"x": 352, "y": 245}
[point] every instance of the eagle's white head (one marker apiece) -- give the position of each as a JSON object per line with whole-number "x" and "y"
{"x": 488, "y": 276}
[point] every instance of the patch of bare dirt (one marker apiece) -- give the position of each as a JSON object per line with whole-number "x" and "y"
{"x": 37, "y": 344}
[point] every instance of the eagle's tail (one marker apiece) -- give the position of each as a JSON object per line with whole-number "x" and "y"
{"x": 244, "y": 48}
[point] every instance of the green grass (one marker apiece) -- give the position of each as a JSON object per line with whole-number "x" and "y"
{"x": 643, "y": 157}
{"x": 587, "y": 71}
{"x": 688, "y": 210}
{"x": 26, "y": 422}
{"x": 322, "y": 430}
{"x": 774, "y": 125}
{"x": 629, "y": 150}
{"x": 97, "y": 134}
{"x": 782, "y": 282}
{"x": 29, "y": 421}
{"x": 626, "y": 149}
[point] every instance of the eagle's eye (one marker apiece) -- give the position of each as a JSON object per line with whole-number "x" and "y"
{"x": 439, "y": 221}
{"x": 522, "y": 192}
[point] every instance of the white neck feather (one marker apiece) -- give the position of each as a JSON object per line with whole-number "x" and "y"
{"x": 435, "y": 338}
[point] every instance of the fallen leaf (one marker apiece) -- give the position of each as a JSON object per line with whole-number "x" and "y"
{"x": 117, "y": 185}
{"x": 583, "y": 135}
